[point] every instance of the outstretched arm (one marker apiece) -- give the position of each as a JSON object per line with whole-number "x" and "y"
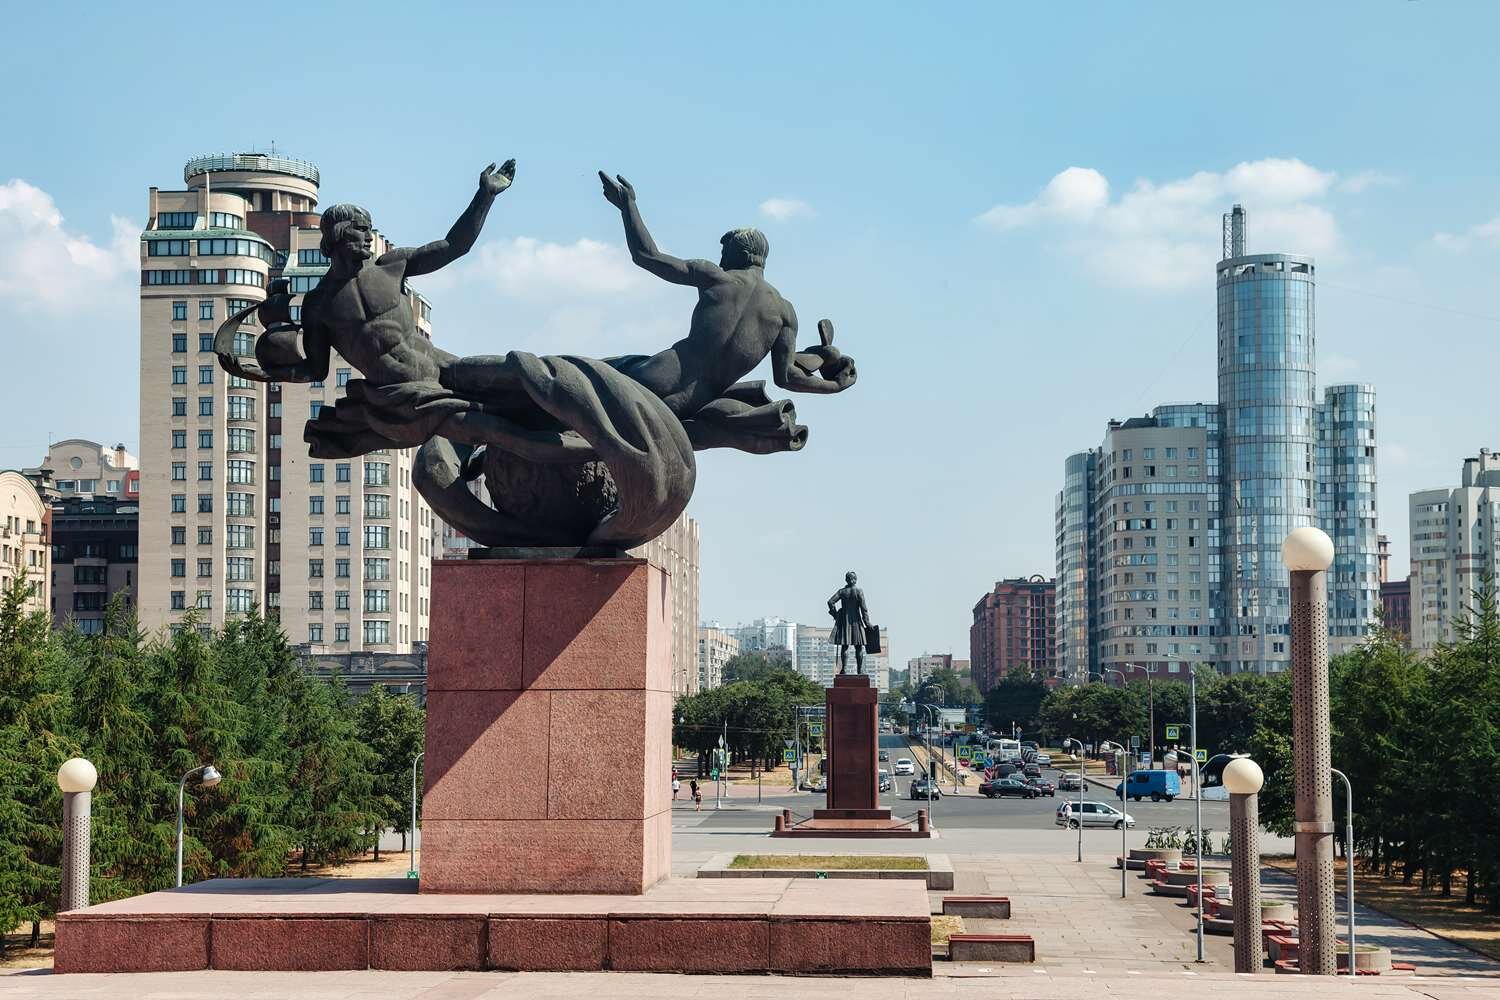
{"x": 460, "y": 239}
{"x": 643, "y": 249}
{"x": 789, "y": 375}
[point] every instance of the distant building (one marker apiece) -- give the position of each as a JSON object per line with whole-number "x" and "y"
{"x": 398, "y": 673}
{"x": 818, "y": 659}
{"x": 1395, "y": 605}
{"x": 1383, "y": 542}
{"x": 1014, "y": 628}
{"x": 676, "y": 551}
{"x": 768, "y": 633}
{"x": 95, "y": 555}
{"x": 25, "y": 537}
{"x": 920, "y": 668}
{"x": 716, "y": 647}
{"x": 1455, "y": 545}
{"x": 87, "y": 469}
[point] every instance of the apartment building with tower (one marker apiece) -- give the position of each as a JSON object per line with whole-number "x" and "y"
{"x": 1014, "y": 627}
{"x": 234, "y": 513}
{"x": 1455, "y": 549}
{"x": 83, "y": 468}
{"x": 1168, "y": 535}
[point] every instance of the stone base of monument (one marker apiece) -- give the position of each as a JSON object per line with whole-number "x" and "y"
{"x": 845, "y": 926}
{"x": 861, "y": 827}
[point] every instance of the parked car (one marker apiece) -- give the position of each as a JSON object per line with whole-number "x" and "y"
{"x": 1158, "y": 784}
{"x": 919, "y": 789}
{"x": 1042, "y": 785}
{"x": 884, "y": 755}
{"x": 1007, "y": 788}
{"x": 1071, "y": 814}
{"x": 1032, "y": 770}
{"x": 1030, "y": 745}
{"x": 1069, "y": 782}
{"x": 1044, "y": 760}
{"x": 905, "y": 766}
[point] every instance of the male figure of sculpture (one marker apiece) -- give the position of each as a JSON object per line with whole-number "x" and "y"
{"x": 573, "y": 450}
{"x": 850, "y": 620}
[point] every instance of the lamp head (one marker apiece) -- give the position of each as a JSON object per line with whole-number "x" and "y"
{"x": 77, "y": 775}
{"x": 1242, "y": 776}
{"x": 1307, "y": 548}
{"x": 211, "y": 777}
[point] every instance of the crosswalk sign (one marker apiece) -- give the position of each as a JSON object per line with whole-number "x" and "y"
{"x": 1202, "y": 756}
{"x": 816, "y": 728}
{"x": 964, "y": 753}
{"x": 1174, "y": 732}
{"x": 790, "y": 756}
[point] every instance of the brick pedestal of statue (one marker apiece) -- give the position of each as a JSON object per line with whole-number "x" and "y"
{"x": 549, "y": 703}
{"x": 850, "y": 736}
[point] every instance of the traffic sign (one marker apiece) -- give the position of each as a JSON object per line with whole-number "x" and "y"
{"x": 1135, "y": 742}
{"x": 789, "y": 743}
{"x": 816, "y": 728}
{"x": 1174, "y": 732}
{"x": 714, "y": 774}
{"x": 789, "y": 755}
{"x": 1202, "y": 756}
{"x": 964, "y": 753}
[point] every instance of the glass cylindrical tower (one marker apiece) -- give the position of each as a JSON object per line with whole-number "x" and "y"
{"x": 1268, "y": 423}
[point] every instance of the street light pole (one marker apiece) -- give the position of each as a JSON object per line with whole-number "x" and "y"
{"x": 1077, "y": 745}
{"x": 1243, "y": 779}
{"x": 414, "y": 762}
{"x": 1124, "y": 753}
{"x": 1348, "y": 856}
{"x": 1307, "y": 553}
{"x": 210, "y": 778}
{"x": 1197, "y": 794}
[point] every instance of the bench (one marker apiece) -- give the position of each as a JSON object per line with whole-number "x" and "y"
{"x": 991, "y": 948}
{"x": 1282, "y": 947}
{"x": 997, "y": 907}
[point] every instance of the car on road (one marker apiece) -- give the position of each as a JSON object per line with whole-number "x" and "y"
{"x": 1032, "y": 770}
{"x": 884, "y": 755}
{"x": 999, "y": 788}
{"x": 1069, "y": 782}
{"x": 1042, "y": 785}
{"x": 905, "y": 766}
{"x": 919, "y": 789}
{"x": 1071, "y": 814}
{"x": 1044, "y": 760}
{"x": 885, "y": 780}
{"x": 1158, "y": 784}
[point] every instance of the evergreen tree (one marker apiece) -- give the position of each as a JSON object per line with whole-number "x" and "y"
{"x": 332, "y": 807}
{"x": 394, "y": 727}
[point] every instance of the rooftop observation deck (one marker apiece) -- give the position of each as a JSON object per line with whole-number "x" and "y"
{"x": 259, "y": 162}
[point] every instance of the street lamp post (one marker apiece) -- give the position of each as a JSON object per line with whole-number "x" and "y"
{"x": 1124, "y": 752}
{"x": 1079, "y": 747}
{"x": 1307, "y": 553}
{"x": 210, "y": 778}
{"x": 1197, "y": 785}
{"x": 76, "y": 778}
{"x": 412, "y": 870}
{"x": 1348, "y": 856}
{"x": 1243, "y": 779}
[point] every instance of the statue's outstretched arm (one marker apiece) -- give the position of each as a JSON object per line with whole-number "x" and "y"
{"x": 788, "y": 374}
{"x": 461, "y": 238}
{"x": 643, "y": 249}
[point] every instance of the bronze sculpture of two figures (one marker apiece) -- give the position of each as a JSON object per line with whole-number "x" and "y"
{"x": 573, "y": 451}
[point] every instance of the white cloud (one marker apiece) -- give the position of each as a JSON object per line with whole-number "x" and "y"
{"x": 44, "y": 265}
{"x": 1483, "y": 234}
{"x": 786, "y": 209}
{"x": 1164, "y": 235}
{"x": 528, "y": 268}
{"x": 1364, "y": 180}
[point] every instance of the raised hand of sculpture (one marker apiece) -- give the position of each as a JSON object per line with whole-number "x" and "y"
{"x": 573, "y": 451}
{"x": 850, "y": 619}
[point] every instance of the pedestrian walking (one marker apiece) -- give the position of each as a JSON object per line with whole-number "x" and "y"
{"x": 676, "y": 787}
{"x": 697, "y": 795}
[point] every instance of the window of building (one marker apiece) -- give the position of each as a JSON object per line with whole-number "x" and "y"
{"x": 206, "y": 535}
{"x": 312, "y": 258}
{"x": 241, "y": 440}
{"x": 315, "y": 567}
{"x": 179, "y": 439}
{"x": 179, "y": 567}
{"x": 205, "y": 471}
{"x": 179, "y": 375}
{"x": 179, "y": 406}
{"x": 179, "y": 503}
{"x": 239, "y": 600}
{"x": 340, "y": 632}
{"x": 343, "y": 536}
{"x": 273, "y": 409}
{"x": 205, "y": 567}
{"x": 341, "y": 505}
{"x": 315, "y": 633}
{"x": 205, "y": 374}
{"x": 240, "y": 504}
{"x": 314, "y": 536}
{"x": 341, "y": 568}
{"x": 377, "y": 474}
{"x": 179, "y": 471}
{"x": 179, "y": 535}
{"x": 341, "y": 472}
{"x": 341, "y": 377}
{"x": 377, "y": 632}
{"x": 303, "y": 283}
{"x": 179, "y": 343}
{"x": 179, "y": 600}
{"x": 377, "y": 536}
{"x": 315, "y": 505}
{"x": 314, "y": 408}
{"x": 242, "y": 407}
{"x": 315, "y": 472}
{"x": 177, "y": 277}
{"x": 205, "y": 406}
{"x": 241, "y": 471}
{"x": 176, "y": 220}
{"x": 239, "y": 568}
{"x": 377, "y": 505}
{"x": 377, "y": 600}
{"x": 239, "y": 536}
{"x": 225, "y": 220}
{"x": 235, "y": 248}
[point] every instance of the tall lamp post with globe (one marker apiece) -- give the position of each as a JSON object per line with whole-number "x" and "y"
{"x": 1307, "y": 553}
{"x": 1243, "y": 780}
{"x": 76, "y": 778}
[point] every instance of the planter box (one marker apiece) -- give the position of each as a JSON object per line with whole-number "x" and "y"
{"x": 991, "y": 948}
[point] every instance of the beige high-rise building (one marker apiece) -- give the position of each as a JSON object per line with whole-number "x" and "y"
{"x": 233, "y": 511}
{"x": 25, "y": 537}
{"x": 1455, "y": 547}
{"x": 716, "y": 647}
{"x": 83, "y": 468}
{"x": 676, "y": 551}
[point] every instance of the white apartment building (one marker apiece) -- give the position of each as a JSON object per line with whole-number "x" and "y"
{"x": 675, "y": 551}
{"x": 716, "y": 647}
{"x": 25, "y": 537}
{"x": 1455, "y": 544}
{"x": 83, "y": 468}
{"x": 234, "y": 513}
{"x": 818, "y": 659}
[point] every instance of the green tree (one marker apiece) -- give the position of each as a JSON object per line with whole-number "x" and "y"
{"x": 394, "y": 727}
{"x": 1016, "y": 699}
{"x": 756, "y": 665}
{"x": 332, "y": 808}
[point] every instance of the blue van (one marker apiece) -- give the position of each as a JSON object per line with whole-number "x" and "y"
{"x": 1156, "y": 784}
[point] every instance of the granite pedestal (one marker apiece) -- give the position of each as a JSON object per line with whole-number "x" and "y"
{"x": 549, "y": 700}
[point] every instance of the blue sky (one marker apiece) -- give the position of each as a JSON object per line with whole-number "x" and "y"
{"x": 1010, "y": 213}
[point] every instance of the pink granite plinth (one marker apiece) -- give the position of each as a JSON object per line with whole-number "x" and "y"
{"x": 535, "y": 668}
{"x": 845, "y": 926}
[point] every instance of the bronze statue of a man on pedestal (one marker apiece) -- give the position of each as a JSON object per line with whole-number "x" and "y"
{"x": 850, "y": 620}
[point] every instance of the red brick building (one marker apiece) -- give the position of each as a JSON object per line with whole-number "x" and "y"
{"x": 1015, "y": 627}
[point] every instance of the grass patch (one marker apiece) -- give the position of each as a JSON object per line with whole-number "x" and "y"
{"x": 1446, "y": 917}
{"x": 831, "y": 862}
{"x": 945, "y": 927}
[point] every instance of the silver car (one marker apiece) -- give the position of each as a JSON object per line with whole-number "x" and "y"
{"x": 1069, "y": 814}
